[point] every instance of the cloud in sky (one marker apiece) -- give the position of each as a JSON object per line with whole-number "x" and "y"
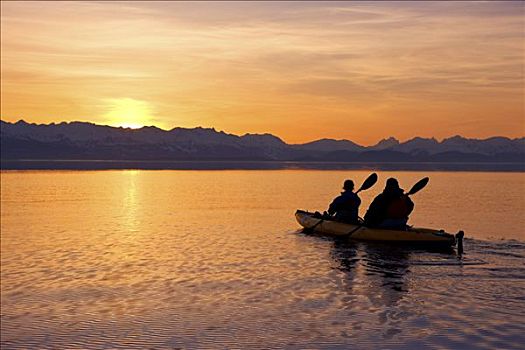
{"x": 301, "y": 70}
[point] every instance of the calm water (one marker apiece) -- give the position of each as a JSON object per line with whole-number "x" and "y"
{"x": 214, "y": 259}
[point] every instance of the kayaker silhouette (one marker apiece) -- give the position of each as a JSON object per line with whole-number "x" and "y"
{"x": 346, "y": 206}
{"x": 390, "y": 209}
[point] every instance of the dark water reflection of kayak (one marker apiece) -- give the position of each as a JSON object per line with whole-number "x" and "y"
{"x": 406, "y": 287}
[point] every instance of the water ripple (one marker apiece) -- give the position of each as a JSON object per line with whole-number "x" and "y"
{"x": 165, "y": 260}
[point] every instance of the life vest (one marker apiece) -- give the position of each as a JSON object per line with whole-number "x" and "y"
{"x": 345, "y": 207}
{"x": 349, "y": 204}
{"x": 398, "y": 208}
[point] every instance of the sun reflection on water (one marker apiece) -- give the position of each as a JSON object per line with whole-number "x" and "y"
{"x": 130, "y": 209}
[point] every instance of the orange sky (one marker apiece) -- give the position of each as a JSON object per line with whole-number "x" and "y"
{"x": 298, "y": 70}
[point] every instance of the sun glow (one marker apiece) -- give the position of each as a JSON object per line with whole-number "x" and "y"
{"x": 129, "y": 113}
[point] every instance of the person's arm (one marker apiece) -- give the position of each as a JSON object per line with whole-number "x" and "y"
{"x": 410, "y": 205}
{"x": 371, "y": 213}
{"x": 357, "y": 200}
{"x": 332, "y": 209}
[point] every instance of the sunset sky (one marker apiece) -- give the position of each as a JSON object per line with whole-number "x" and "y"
{"x": 299, "y": 70}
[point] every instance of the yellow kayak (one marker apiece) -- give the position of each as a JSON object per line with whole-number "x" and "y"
{"x": 359, "y": 232}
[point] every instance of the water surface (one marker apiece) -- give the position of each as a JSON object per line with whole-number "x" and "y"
{"x": 214, "y": 259}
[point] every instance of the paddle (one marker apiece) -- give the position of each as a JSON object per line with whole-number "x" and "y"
{"x": 418, "y": 186}
{"x": 369, "y": 182}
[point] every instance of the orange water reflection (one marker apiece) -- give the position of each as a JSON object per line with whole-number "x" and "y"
{"x": 196, "y": 258}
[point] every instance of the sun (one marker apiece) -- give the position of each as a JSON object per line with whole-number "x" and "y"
{"x": 129, "y": 113}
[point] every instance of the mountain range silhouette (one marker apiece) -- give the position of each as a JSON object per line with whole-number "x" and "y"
{"x": 87, "y": 141}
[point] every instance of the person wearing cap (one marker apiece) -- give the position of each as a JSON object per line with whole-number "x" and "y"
{"x": 346, "y": 206}
{"x": 390, "y": 209}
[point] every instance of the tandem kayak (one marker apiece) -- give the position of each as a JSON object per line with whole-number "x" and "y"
{"x": 412, "y": 236}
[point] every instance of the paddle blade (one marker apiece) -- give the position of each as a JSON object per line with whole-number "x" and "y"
{"x": 418, "y": 186}
{"x": 369, "y": 182}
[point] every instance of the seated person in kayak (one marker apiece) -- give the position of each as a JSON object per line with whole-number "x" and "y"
{"x": 390, "y": 209}
{"x": 346, "y": 206}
